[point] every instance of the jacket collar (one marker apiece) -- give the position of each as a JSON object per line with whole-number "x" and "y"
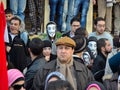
{"x": 52, "y": 64}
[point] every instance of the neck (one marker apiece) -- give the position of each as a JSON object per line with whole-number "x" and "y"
{"x": 33, "y": 57}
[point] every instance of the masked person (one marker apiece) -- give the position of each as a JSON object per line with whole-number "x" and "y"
{"x": 51, "y": 29}
{"x": 92, "y": 45}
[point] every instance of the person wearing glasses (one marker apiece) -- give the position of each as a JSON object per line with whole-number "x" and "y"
{"x": 15, "y": 80}
{"x": 100, "y": 30}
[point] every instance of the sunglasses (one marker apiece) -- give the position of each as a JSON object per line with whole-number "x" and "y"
{"x": 18, "y": 87}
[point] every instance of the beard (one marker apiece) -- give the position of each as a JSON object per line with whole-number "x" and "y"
{"x": 107, "y": 52}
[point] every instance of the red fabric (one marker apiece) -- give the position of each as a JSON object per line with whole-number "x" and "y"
{"x": 3, "y": 68}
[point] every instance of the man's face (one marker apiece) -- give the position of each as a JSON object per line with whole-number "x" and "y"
{"x": 64, "y": 53}
{"x": 92, "y": 45}
{"x": 100, "y": 27}
{"x": 108, "y": 47}
{"x": 51, "y": 30}
{"x": 8, "y": 17}
{"x": 14, "y": 26}
{"x": 75, "y": 25}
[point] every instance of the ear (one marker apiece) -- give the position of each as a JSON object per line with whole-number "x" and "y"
{"x": 95, "y": 26}
{"x": 103, "y": 49}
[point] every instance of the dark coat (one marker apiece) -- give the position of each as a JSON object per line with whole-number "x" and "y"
{"x": 32, "y": 69}
{"x": 98, "y": 67}
{"x": 82, "y": 74}
{"x": 18, "y": 53}
{"x": 111, "y": 84}
{"x": 66, "y": 34}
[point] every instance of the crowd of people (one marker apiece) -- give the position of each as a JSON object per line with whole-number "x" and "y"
{"x": 69, "y": 60}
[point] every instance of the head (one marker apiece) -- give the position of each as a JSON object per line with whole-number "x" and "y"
{"x": 47, "y": 48}
{"x": 87, "y": 58}
{"x": 65, "y": 49}
{"x": 116, "y": 41}
{"x": 8, "y": 14}
{"x": 15, "y": 24}
{"x": 99, "y": 25}
{"x": 75, "y": 24}
{"x": 59, "y": 85}
{"x": 53, "y": 76}
{"x": 15, "y": 80}
{"x": 94, "y": 85}
{"x": 81, "y": 43}
{"x": 82, "y": 32}
{"x": 92, "y": 45}
{"x": 36, "y": 46}
{"x": 51, "y": 29}
{"x": 104, "y": 46}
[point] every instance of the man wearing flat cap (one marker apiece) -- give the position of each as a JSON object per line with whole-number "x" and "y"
{"x": 75, "y": 72}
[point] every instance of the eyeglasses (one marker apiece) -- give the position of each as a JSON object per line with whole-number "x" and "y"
{"x": 18, "y": 87}
{"x": 99, "y": 25}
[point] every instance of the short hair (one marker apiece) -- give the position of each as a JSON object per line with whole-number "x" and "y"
{"x": 81, "y": 31}
{"x": 59, "y": 85}
{"x": 8, "y": 11}
{"x": 101, "y": 43}
{"x": 98, "y": 19}
{"x": 16, "y": 18}
{"x": 36, "y": 46}
{"x": 74, "y": 19}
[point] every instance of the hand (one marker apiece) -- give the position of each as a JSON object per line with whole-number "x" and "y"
{"x": 8, "y": 48}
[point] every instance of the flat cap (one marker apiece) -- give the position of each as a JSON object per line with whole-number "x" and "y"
{"x": 66, "y": 41}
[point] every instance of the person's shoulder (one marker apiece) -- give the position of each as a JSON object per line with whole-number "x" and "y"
{"x": 92, "y": 34}
{"x": 66, "y": 33}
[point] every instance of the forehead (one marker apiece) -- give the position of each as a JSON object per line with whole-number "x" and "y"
{"x": 51, "y": 25}
{"x": 92, "y": 42}
{"x": 76, "y": 23}
{"x": 9, "y": 14}
{"x": 15, "y": 21}
{"x": 63, "y": 46}
{"x": 101, "y": 22}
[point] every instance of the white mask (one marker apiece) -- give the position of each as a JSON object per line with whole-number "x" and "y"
{"x": 51, "y": 30}
{"x": 92, "y": 45}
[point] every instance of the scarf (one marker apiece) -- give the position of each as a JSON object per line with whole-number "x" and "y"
{"x": 65, "y": 69}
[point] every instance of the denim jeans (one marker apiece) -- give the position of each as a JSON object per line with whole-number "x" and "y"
{"x": 18, "y": 7}
{"x": 85, "y": 6}
{"x": 67, "y": 14}
{"x": 56, "y": 9}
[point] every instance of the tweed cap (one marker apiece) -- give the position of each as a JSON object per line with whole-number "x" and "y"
{"x": 66, "y": 41}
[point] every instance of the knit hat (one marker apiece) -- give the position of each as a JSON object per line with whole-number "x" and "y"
{"x": 65, "y": 41}
{"x": 13, "y": 75}
{"x": 47, "y": 43}
{"x": 95, "y": 84}
{"x": 54, "y": 74}
{"x": 81, "y": 43}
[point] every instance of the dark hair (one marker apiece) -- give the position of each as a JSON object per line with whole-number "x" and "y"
{"x": 36, "y": 46}
{"x": 98, "y": 19}
{"x": 101, "y": 43}
{"x": 74, "y": 19}
{"x": 8, "y": 11}
{"x": 92, "y": 38}
{"x": 81, "y": 31}
{"x": 16, "y": 18}
{"x": 59, "y": 85}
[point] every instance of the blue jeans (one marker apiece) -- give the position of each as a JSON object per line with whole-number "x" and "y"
{"x": 67, "y": 14}
{"x": 85, "y": 6}
{"x": 56, "y": 9}
{"x": 18, "y": 7}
